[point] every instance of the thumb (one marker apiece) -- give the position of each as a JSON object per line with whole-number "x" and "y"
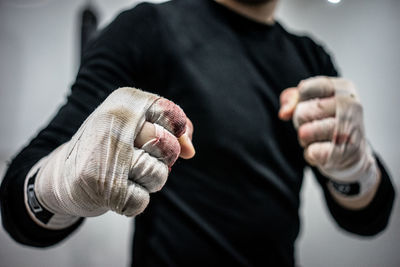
{"x": 289, "y": 99}
{"x": 187, "y": 149}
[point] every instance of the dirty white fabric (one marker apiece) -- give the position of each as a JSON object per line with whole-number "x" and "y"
{"x": 330, "y": 108}
{"x": 99, "y": 169}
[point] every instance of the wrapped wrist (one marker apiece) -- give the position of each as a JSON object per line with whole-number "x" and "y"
{"x": 358, "y": 179}
{"x": 39, "y": 212}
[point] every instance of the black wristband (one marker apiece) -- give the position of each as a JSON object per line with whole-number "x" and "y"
{"x": 37, "y": 209}
{"x": 347, "y": 189}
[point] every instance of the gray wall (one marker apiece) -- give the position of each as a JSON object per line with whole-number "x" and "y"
{"x": 38, "y": 63}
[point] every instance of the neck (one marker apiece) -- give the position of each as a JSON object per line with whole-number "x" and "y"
{"x": 260, "y": 12}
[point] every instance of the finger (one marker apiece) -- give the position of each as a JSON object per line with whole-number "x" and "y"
{"x": 164, "y": 146}
{"x": 288, "y": 98}
{"x": 146, "y": 134}
{"x": 316, "y": 131}
{"x": 314, "y": 109}
{"x": 318, "y": 153}
{"x": 147, "y": 171}
{"x": 136, "y": 200}
{"x": 316, "y": 87}
{"x": 187, "y": 149}
{"x": 168, "y": 115}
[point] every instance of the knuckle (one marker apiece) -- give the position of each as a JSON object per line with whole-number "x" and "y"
{"x": 357, "y": 105}
{"x": 174, "y": 150}
{"x": 164, "y": 147}
{"x": 120, "y": 113}
{"x": 171, "y": 116}
{"x": 111, "y": 123}
{"x": 359, "y": 111}
{"x": 314, "y": 87}
{"x": 151, "y": 174}
{"x": 344, "y": 87}
{"x": 295, "y": 119}
{"x": 142, "y": 202}
{"x": 159, "y": 180}
{"x": 137, "y": 200}
{"x": 302, "y": 138}
{"x": 120, "y": 94}
{"x": 300, "y": 114}
{"x": 346, "y": 84}
{"x": 122, "y": 91}
{"x": 320, "y": 80}
{"x": 127, "y": 98}
{"x": 303, "y": 133}
{"x": 303, "y": 86}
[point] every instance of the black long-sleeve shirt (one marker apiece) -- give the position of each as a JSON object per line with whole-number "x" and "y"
{"x": 236, "y": 202}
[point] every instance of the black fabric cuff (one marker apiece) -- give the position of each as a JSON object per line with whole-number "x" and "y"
{"x": 36, "y": 208}
{"x": 15, "y": 217}
{"x": 370, "y": 220}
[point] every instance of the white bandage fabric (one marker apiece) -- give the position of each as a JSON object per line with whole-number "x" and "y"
{"x": 99, "y": 169}
{"x": 346, "y": 157}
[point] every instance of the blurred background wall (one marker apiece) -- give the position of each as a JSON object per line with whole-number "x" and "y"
{"x": 39, "y": 57}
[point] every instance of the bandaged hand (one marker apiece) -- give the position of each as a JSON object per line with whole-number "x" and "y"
{"x": 120, "y": 154}
{"x": 329, "y": 118}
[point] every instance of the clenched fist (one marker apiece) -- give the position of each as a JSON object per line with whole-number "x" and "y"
{"x": 120, "y": 154}
{"x": 329, "y": 118}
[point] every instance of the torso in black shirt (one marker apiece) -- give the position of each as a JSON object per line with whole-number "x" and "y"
{"x": 236, "y": 201}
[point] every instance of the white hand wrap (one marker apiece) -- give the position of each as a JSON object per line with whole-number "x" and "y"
{"x": 329, "y": 118}
{"x": 99, "y": 169}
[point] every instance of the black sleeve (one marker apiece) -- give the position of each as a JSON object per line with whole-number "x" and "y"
{"x": 369, "y": 220}
{"x": 112, "y": 60}
{"x": 373, "y": 218}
